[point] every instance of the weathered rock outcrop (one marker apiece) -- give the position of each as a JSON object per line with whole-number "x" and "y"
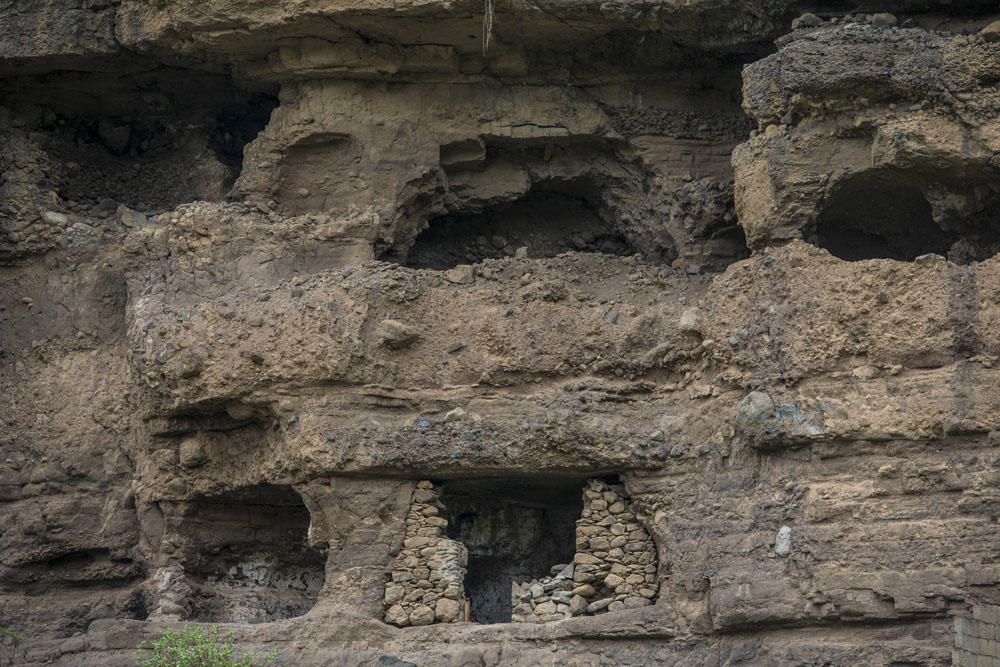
{"x": 404, "y": 334}
{"x": 875, "y": 141}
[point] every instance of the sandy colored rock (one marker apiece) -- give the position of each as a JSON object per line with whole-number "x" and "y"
{"x": 718, "y": 276}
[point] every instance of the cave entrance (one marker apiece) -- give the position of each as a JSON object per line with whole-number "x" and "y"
{"x": 516, "y": 530}
{"x": 879, "y": 217}
{"x": 546, "y": 221}
{"x": 151, "y": 140}
{"x": 247, "y": 556}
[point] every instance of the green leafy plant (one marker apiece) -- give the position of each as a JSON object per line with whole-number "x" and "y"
{"x": 11, "y": 645}
{"x": 194, "y": 647}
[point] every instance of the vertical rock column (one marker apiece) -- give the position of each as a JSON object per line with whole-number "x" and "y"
{"x": 615, "y": 558}
{"x": 428, "y": 574}
{"x": 361, "y": 522}
{"x": 614, "y": 566}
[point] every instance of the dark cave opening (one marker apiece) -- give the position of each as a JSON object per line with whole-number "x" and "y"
{"x": 886, "y": 215}
{"x": 248, "y": 557}
{"x": 516, "y": 530}
{"x": 878, "y": 217}
{"x": 151, "y": 140}
{"x": 545, "y": 221}
{"x": 239, "y": 123}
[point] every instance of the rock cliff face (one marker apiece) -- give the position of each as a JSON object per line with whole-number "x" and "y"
{"x": 517, "y": 333}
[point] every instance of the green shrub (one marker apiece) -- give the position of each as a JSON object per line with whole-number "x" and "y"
{"x": 11, "y": 646}
{"x": 193, "y": 647}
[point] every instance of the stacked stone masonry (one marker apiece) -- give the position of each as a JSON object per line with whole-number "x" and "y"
{"x": 428, "y": 574}
{"x": 614, "y": 567}
{"x": 977, "y": 639}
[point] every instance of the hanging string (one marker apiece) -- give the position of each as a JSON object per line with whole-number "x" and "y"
{"x": 487, "y": 24}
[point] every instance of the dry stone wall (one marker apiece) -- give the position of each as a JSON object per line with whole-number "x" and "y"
{"x": 614, "y": 567}
{"x": 546, "y": 599}
{"x": 428, "y": 574}
{"x": 977, "y": 638}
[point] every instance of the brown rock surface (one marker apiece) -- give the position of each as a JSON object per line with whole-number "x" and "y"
{"x": 328, "y": 322}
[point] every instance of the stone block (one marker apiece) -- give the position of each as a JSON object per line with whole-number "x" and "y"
{"x": 599, "y": 605}
{"x": 421, "y": 615}
{"x": 393, "y": 594}
{"x": 636, "y": 602}
{"x": 545, "y": 608}
{"x": 447, "y": 610}
{"x": 578, "y": 605}
{"x": 397, "y": 615}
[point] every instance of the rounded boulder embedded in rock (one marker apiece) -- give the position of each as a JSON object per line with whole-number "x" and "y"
{"x": 397, "y": 615}
{"x": 397, "y": 335}
{"x": 991, "y": 33}
{"x": 807, "y": 20}
{"x": 191, "y": 453}
{"x": 421, "y": 615}
{"x": 783, "y": 542}
{"x": 447, "y": 610}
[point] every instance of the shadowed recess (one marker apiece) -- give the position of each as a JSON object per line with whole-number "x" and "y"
{"x": 515, "y": 530}
{"x": 544, "y": 222}
{"x": 878, "y": 218}
{"x": 248, "y": 556}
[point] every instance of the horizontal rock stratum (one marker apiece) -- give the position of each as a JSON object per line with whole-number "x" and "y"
{"x": 518, "y": 333}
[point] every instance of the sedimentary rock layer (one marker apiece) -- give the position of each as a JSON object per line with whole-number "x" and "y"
{"x": 375, "y": 332}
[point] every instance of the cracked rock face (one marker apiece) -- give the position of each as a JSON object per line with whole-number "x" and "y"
{"x": 624, "y": 333}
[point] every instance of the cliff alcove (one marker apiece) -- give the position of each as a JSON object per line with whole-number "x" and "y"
{"x": 870, "y": 217}
{"x": 887, "y": 215}
{"x": 489, "y": 198}
{"x": 515, "y": 530}
{"x": 247, "y": 557}
{"x": 546, "y": 222}
{"x": 521, "y": 549}
{"x": 151, "y": 140}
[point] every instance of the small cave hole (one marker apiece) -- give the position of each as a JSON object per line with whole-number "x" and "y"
{"x": 515, "y": 531}
{"x": 151, "y": 140}
{"x": 248, "y": 558}
{"x": 872, "y": 217}
{"x": 239, "y": 123}
{"x": 546, "y": 221}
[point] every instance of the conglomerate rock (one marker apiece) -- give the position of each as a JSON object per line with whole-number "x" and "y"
{"x": 451, "y": 333}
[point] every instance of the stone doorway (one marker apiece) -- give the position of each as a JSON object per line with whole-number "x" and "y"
{"x": 529, "y": 550}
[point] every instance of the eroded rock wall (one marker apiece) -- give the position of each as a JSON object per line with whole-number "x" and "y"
{"x": 277, "y": 278}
